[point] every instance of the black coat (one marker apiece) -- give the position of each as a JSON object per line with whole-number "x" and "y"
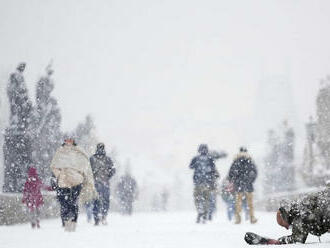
{"x": 243, "y": 173}
{"x": 204, "y": 170}
{"x": 102, "y": 167}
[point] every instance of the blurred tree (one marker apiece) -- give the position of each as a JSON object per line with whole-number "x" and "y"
{"x": 323, "y": 120}
{"x": 316, "y": 164}
{"x": 271, "y": 163}
{"x": 279, "y": 162}
{"x": 85, "y": 135}
{"x": 46, "y": 125}
{"x": 17, "y": 145}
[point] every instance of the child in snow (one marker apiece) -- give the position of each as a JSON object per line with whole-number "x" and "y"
{"x": 32, "y": 196}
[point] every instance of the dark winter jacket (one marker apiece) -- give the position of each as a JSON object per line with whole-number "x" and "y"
{"x": 310, "y": 214}
{"x": 243, "y": 173}
{"x": 205, "y": 171}
{"x": 126, "y": 188}
{"x": 102, "y": 167}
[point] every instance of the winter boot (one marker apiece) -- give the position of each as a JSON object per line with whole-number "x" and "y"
{"x": 203, "y": 218}
{"x": 253, "y": 220}
{"x": 97, "y": 221}
{"x": 249, "y": 198}
{"x": 209, "y": 217}
{"x": 237, "y": 219}
{"x": 73, "y": 226}
{"x": 33, "y": 225}
{"x": 67, "y": 225}
{"x": 38, "y": 224}
{"x": 199, "y": 216}
{"x": 104, "y": 220}
{"x": 238, "y": 208}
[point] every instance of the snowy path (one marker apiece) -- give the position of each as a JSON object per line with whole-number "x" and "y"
{"x": 146, "y": 230}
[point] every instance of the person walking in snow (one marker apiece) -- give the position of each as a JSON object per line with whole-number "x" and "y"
{"x": 32, "y": 196}
{"x": 74, "y": 176}
{"x": 243, "y": 173}
{"x": 103, "y": 169}
{"x": 228, "y": 195}
{"x": 205, "y": 174}
{"x": 127, "y": 192}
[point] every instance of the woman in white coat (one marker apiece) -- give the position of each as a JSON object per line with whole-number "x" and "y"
{"x": 74, "y": 177}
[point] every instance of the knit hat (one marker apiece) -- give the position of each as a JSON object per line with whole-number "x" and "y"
{"x": 32, "y": 172}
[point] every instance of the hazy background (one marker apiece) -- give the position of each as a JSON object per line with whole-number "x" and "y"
{"x": 160, "y": 77}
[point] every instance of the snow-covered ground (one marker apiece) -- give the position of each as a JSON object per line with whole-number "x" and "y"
{"x": 147, "y": 230}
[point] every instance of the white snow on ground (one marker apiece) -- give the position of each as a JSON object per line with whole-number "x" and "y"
{"x": 148, "y": 230}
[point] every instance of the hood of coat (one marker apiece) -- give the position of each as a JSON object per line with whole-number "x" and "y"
{"x": 100, "y": 151}
{"x": 243, "y": 155}
{"x": 285, "y": 215}
{"x": 70, "y": 156}
{"x": 32, "y": 174}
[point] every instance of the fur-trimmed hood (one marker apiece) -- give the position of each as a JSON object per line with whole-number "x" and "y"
{"x": 242, "y": 155}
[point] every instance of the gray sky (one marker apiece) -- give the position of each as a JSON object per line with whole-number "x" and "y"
{"x": 160, "y": 77}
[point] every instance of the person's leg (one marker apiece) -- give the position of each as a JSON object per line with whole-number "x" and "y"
{"x": 231, "y": 209}
{"x": 245, "y": 207}
{"x": 212, "y": 205}
{"x": 97, "y": 204}
{"x": 206, "y": 201}
{"x": 59, "y": 200}
{"x": 238, "y": 207}
{"x": 89, "y": 211}
{"x": 74, "y": 201}
{"x": 228, "y": 211}
{"x": 249, "y": 198}
{"x": 106, "y": 201}
{"x": 73, "y": 208}
{"x": 96, "y": 210}
{"x": 37, "y": 217}
{"x": 62, "y": 196}
{"x": 31, "y": 217}
{"x": 198, "y": 199}
{"x": 130, "y": 207}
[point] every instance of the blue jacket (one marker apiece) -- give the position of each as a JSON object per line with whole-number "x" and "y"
{"x": 205, "y": 171}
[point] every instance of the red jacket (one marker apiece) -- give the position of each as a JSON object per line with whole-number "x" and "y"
{"x": 32, "y": 190}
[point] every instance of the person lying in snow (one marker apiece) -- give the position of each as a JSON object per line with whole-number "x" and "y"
{"x": 307, "y": 215}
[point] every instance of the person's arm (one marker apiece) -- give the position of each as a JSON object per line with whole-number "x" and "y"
{"x": 91, "y": 162}
{"x": 192, "y": 164}
{"x": 253, "y": 173}
{"x": 56, "y": 172}
{"x": 298, "y": 234}
{"x": 46, "y": 187}
{"x": 216, "y": 174}
{"x": 111, "y": 167}
{"x": 232, "y": 172}
{"x": 53, "y": 182}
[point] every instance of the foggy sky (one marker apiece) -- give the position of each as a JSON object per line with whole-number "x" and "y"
{"x": 160, "y": 77}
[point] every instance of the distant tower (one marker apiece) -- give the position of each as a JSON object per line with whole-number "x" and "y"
{"x": 275, "y": 106}
{"x": 274, "y": 102}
